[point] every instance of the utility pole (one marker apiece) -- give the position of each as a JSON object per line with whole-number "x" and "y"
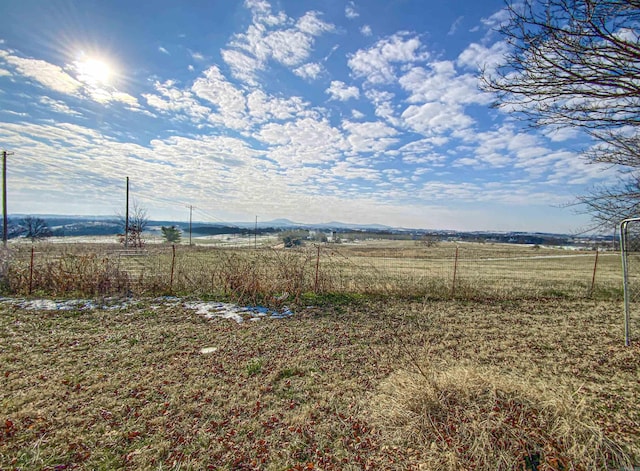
{"x": 4, "y": 198}
{"x": 126, "y": 219}
{"x": 255, "y": 235}
{"x": 190, "y": 217}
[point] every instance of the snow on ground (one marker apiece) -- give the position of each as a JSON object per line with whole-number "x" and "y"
{"x": 210, "y": 310}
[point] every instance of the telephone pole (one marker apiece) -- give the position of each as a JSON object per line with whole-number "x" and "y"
{"x": 190, "y": 217}
{"x": 4, "y": 198}
{"x": 126, "y": 219}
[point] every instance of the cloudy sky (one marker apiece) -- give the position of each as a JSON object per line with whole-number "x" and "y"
{"x": 364, "y": 111}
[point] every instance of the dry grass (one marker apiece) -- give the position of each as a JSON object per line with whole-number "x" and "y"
{"x": 498, "y": 271}
{"x": 483, "y": 419}
{"x": 129, "y": 389}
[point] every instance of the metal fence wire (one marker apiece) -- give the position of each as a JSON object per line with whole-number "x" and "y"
{"x": 446, "y": 270}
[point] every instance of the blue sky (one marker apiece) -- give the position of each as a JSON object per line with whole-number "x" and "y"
{"x": 316, "y": 111}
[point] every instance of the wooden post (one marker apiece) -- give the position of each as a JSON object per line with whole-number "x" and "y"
{"x": 173, "y": 264}
{"x": 31, "y": 272}
{"x": 593, "y": 278}
{"x": 455, "y": 271}
{"x": 315, "y": 288}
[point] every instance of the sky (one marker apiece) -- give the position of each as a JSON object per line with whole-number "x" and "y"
{"x": 363, "y": 111}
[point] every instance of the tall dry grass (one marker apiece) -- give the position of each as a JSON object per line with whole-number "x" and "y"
{"x": 269, "y": 274}
{"x": 466, "y": 417}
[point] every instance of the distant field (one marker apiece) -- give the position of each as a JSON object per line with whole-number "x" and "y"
{"x": 441, "y": 385}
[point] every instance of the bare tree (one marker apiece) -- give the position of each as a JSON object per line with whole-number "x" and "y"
{"x": 35, "y": 228}
{"x": 138, "y": 221}
{"x": 577, "y": 63}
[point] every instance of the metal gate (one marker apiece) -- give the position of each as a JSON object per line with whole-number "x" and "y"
{"x": 630, "y": 250}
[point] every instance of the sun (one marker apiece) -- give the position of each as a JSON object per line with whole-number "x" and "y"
{"x": 94, "y": 71}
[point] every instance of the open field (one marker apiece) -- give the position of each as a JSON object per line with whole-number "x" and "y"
{"x": 244, "y": 274}
{"x": 544, "y": 384}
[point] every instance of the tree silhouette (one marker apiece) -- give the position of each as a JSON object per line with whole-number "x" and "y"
{"x": 35, "y": 228}
{"x": 576, "y": 63}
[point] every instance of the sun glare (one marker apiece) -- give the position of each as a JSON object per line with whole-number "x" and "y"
{"x": 94, "y": 71}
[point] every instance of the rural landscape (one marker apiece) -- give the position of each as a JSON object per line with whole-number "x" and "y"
{"x": 297, "y": 235}
{"x": 365, "y": 354}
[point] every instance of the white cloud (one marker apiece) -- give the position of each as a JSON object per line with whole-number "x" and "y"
{"x": 478, "y": 57}
{"x": 421, "y": 152}
{"x": 366, "y": 30}
{"x": 309, "y": 71}
{"x": 276, "y": 38}
{"x": 498, "y": 19}
{"x": 376, "y": 65}
{"x": 243, "y": 66}
{"x": 196, "y": 56}
{"x": 263, "y": 107}
{"x": 348, "y": 171}
{"x": 57, "y": 106}
{"x": 261, "y": 11}
{"x": 311, "y": 24}
{"x": 442, "y": 83}
{"x": 55, "y": 78}
{"x": 435, "y": 118}
{"x": 369, "y": 136}
{"x": 350, "y": 11}
{"x": 163, "y": 50}
{"x": 341, "y": 92}
{"x": 216, "y": 89}
{"x": 560, "y": 134}
{"x": 51, "y": 76}
{"x": 125, "y": 98}
{"x": 384, "y": 106}
{"x": 176, "y": 101}
{"x": 454, "y": 26}
{"x": 305, "y": 141}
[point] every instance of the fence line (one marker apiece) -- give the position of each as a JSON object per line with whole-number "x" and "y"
{"x": 264, "y": 274}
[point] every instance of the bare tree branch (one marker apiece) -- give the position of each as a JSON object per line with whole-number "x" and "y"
{"x": 138, "y": 221}
{"x": 576, "y": 63}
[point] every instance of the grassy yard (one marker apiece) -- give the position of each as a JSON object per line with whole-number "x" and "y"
{"x": 356, "y": 384}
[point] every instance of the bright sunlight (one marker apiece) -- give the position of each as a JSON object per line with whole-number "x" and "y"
{"x": 94, "y": 71}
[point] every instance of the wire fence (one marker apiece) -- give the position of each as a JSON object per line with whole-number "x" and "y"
{"x": 273, "y": 275}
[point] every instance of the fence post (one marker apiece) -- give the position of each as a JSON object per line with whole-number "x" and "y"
{"x": 31, "y": 272}
{"x": 455, "y": 271}
{"x": 173, "y": 264}
{"x": 593, "y": 278}
{"x": 315, "y": 286}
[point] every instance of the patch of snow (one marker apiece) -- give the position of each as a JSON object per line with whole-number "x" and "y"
{"x": 207, "y": 350}
{"x": 218, "y": 310}
{"x": 210, "y": 310}
{"x": 50, "y": 305}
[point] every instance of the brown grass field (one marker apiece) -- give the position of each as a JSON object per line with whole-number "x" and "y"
{"x": 360, "y": 384}
{"x": 389, "y": 361}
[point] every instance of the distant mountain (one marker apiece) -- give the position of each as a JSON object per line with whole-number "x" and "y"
{"x": 343, "y": 225}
